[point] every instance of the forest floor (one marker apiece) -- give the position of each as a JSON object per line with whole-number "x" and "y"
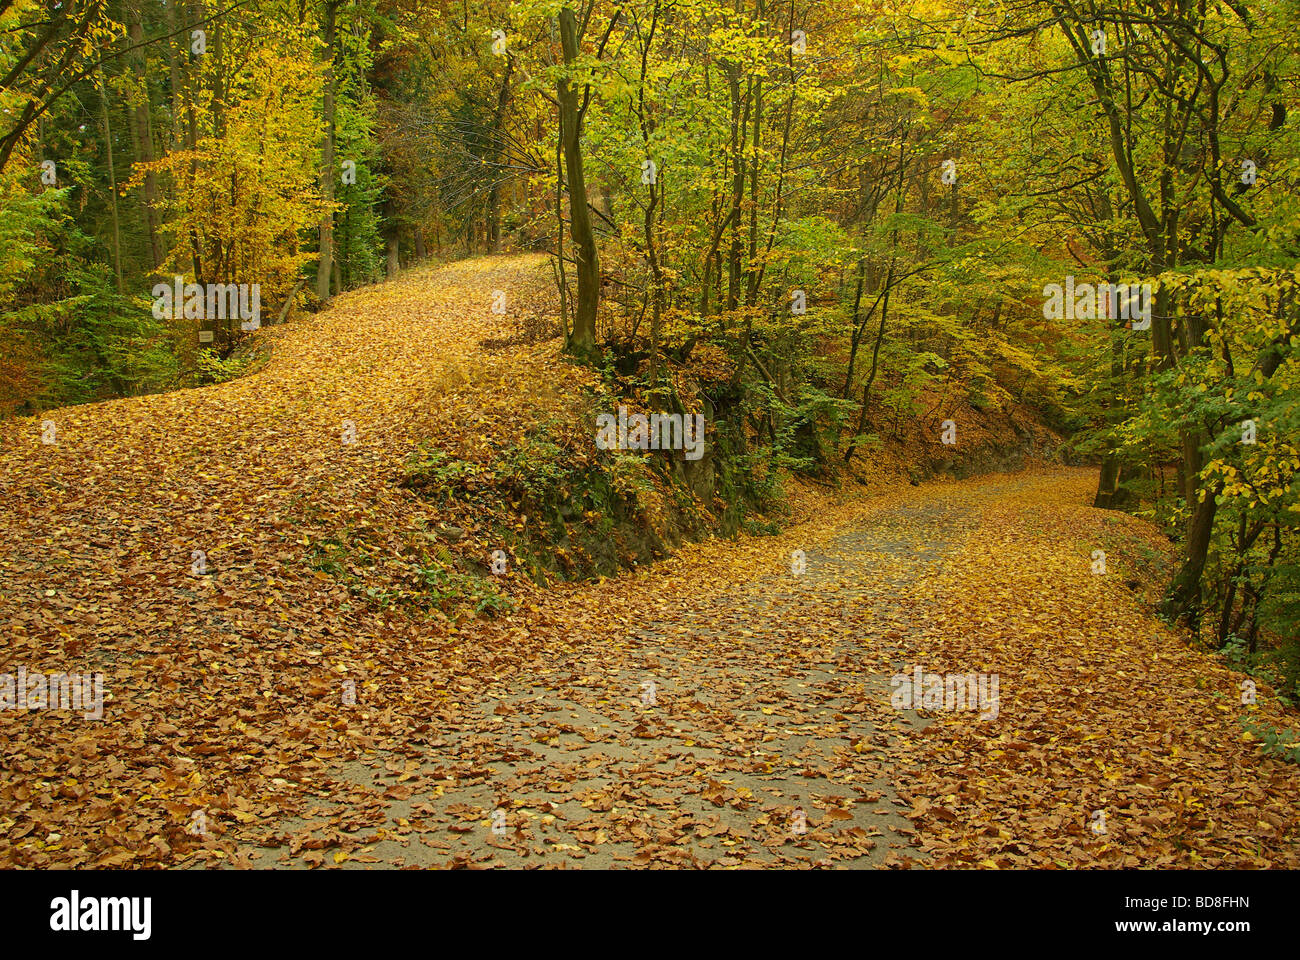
{"x": 713, "y": 709}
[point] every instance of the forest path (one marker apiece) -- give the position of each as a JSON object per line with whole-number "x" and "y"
{"x": 227, "y": 737}
{"x": 1112, "y": 743}
{"x": 716, "y": 710}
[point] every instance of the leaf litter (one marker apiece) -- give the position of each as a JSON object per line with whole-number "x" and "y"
{"x": 531, "y": 739}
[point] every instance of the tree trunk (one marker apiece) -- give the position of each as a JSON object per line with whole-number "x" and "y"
{"x": 174, "y": 77}
{"x": 875, "y": 363}
{"x": 561, "y": 277}
{"x": 1183, "y": 601}
{"x": 142, "y": 134}
{"x": 739, "y": 124}
{"x": 580, "y": 230}
{"x": 112, "y": 178}
{"x": 1108, "y": 481}
{"x": 751, "y": 284}
{"x": 325, "y": 268}
{"x": 494, "y": 171}
{"x": 858, "y": 325}
{"x": 393, "y": 263}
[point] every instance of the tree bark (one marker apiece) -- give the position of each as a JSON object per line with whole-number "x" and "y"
{"x": 112, "y": 179}
{"x": 580, "y": 230}
{"x": 174, "y": 77}
{"x": 394, "y": 265}
{"x": 142, "y": 134}
{"x": 1183, "y": 601}
{"x": 494, "y": 190}
{"x": 739, "y": 124}
{"x": 325, "y": 268}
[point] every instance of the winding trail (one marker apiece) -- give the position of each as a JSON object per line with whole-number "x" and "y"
{"x": 768, "y": 736}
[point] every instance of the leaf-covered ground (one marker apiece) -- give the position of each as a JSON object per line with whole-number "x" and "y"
{"x": 770, "y": 709}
